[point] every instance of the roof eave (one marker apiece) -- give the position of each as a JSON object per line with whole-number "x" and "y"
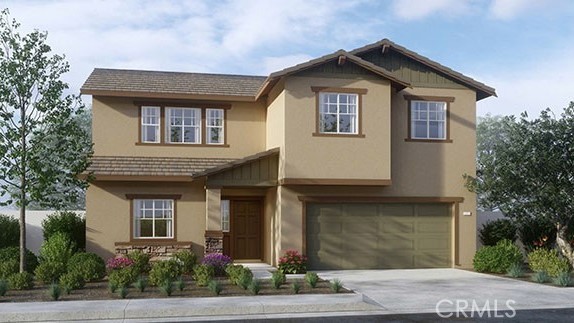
{"x": 163, "y": 95}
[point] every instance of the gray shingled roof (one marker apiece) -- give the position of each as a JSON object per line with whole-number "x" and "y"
{"x": 117, "y": 80}
{"x": 152, "y": 166}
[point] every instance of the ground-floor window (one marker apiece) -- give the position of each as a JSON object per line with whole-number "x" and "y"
{"x": 153, "y": 218}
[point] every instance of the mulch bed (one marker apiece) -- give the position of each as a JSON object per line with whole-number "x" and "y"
{"x": 99, "y": 291}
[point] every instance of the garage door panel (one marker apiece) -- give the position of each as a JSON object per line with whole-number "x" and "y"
{"x": 364, "y": 236}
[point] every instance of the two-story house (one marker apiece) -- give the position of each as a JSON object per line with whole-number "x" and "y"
{"x": 355, "y": 159}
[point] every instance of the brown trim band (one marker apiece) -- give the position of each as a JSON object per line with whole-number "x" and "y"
{"x": 380, "y": 199}
{"x": 177, "y": 96}
{"x": 154, "y": 196}
{"x": 142, "y": 178}
{"x": 410, "y": 97}
{"x": 344, "y": 135}
{"x": 153, "y": 242}
{"x": 338, "y": 89}
{"x": 183, "y": 104}
{"x": 428, "y": 140}
{"x": 181, "y": 144}
{"x": 335, "y": 181}
{"x": 213, "y": 234}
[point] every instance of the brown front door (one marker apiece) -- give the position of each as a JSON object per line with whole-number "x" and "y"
{"x": 246, "y": 229}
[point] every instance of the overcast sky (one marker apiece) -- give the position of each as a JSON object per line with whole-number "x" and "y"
{"x": 523, "y": 48}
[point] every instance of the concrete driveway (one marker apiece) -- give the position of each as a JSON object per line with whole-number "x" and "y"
{"x": 426, "y": 290}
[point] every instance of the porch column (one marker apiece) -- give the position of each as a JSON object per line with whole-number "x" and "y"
{"x": 213, "y": 233}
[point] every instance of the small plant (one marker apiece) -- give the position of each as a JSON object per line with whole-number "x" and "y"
{"x": 494, "y": 231}
{"x": 72, "y": 280}
{"x": 140, "y": 284}
{"x": 255, "y": 286}
{"x": 118, "y": 263}
{"x": 57, "y": 249}
{"x": 187, "y": 260}
{"x": 218, "y": 261}
{"x": 516, "y": 270}
{"x": 8, "y": 268}
{"x": 245, "y": 278}
{"x": 112, "y": 286}
{"x": 123, "y": 277}
{"x": 21, "y": 281}
{"x": 180, "y": 284}
{"x": 296, "y": 287}
{"x": 278, "y": 278}
{"x": 549, "y": 261}
{"x": 3, "y": 287}
{"x": 123, "y": 292}
{"x": 497, "y": 259}
{"x": 541, "y": 277}
{"x": 141, "y": 261}
{"x": 90, "y": 265}
{"x": 54, "y": 291}
{"x": 336, "y": 285}
{"x": 311, "y": 279}
{"x": 164, "y": 270}
{"x": 563, "y": 279}
{"x": 49, "y": 271}
{"x": 215, "y": 287}
{"x": 293, "y": 263}
{"x": 234, "y": 273}
{"x": 166, "y": 287}
{"x": 203, "y": 274}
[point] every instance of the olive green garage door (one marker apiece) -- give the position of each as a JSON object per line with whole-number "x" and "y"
{"x": 369, "y": 235}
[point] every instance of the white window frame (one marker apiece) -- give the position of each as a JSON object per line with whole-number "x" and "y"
{"x": 157, "y": 214}
{"x": 196, "y": 115}
{"x": 211, "y": 123}
{"x": 148, "y": 113}
{"x": 225, "y": 215}
{"x": 418, "y": 115}
{"x": 324, "y": 110}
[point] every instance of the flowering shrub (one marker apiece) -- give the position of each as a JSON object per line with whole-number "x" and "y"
{"x": 118, "y": 263}
{"x": 293, "y": 263}
{"x": 218, "y": 261}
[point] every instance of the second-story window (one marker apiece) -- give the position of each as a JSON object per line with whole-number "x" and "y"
{"x": 428, "y": 120}
{"x": 338, "y": 113}
{"x": 150, "y": 124}
{"x": 183, "y": 125}
{"x": 214, "y": 126}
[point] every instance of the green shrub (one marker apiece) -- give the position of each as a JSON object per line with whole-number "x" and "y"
{"x": 203, "y": 274}
{"x": 68, "y": 223}
{"x": 3, "y": 287}
{"x": 180, "y": 284}
{"x": 494, "y": 231}
{"x": 296, "y": 286}
{"x": 13, "y": 253}
{"x": 498, "y": 258}
{"x": 72, "y": 280}
{"x": 141, "y": 261}
{"x": 123, "y": 277}
{"x": 336, "y": 285}
{"x": 536, "y": 233}
{"x": 54, "y": 291}
{"x": 293, "y": 263}
{"x": 8, "y": 268}
{"x": 245, "y": 279}
{"x": 549, "y": 261}
{"x": 541, "y": 277}
{"x": 58, "y": 249}
{"x": 233, "y": 273}
{"x": 49, "y": 271}
{"x": 215, "y": 287}
{"x": 278, "y": 278}
{"x": 166, "y": 287}
{"x": 140, "y": 284}
{"x": 10, "y": 233}
{"x": 90, "y": 265}
{"x": 112, "y": 287}
{"x": 187, "y": 260}
{"x": 311, "y": 279}
{"x": 255, "y": 286}
{"x": 21, "y": 281}
{"x": 516, "y": 270}
{"x": 164, "y": 270}
{"x": 123, "y": 292}
{"x": 563, "y": 279}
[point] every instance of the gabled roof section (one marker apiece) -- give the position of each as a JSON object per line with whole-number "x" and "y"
{"x": 237, "y": 163}
{"x": 340, "y": 54}
{"x": 176, "y": 85}
{"x": 483, "y": 90}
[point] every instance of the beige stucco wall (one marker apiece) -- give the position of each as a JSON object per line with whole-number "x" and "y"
{"x": 275, "y": 123}
{"x": 115, "y": 131}
{"x": 308, "y": 156}
{"x": 108, "y": 213}
{"x": 419, "y": 170}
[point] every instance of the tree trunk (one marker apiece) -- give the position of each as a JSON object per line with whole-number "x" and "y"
{"x": 23, "y": 187}
{"x": 565, "y": 247}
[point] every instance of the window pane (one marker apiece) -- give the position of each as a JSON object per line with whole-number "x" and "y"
{"x": 161, "y": 228}
{"x": 343, "y": 99}
{"x": 328, "y": 123}
{"x": 420, "y": 129}
{"x": 146, "y": 228}
{"x": 345, "y": 123}
{"x": 436, "y": 130}
{"x": 175, "y": 134}
{"x": 225, "y": 215}
{"x": 214, "y": 136}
